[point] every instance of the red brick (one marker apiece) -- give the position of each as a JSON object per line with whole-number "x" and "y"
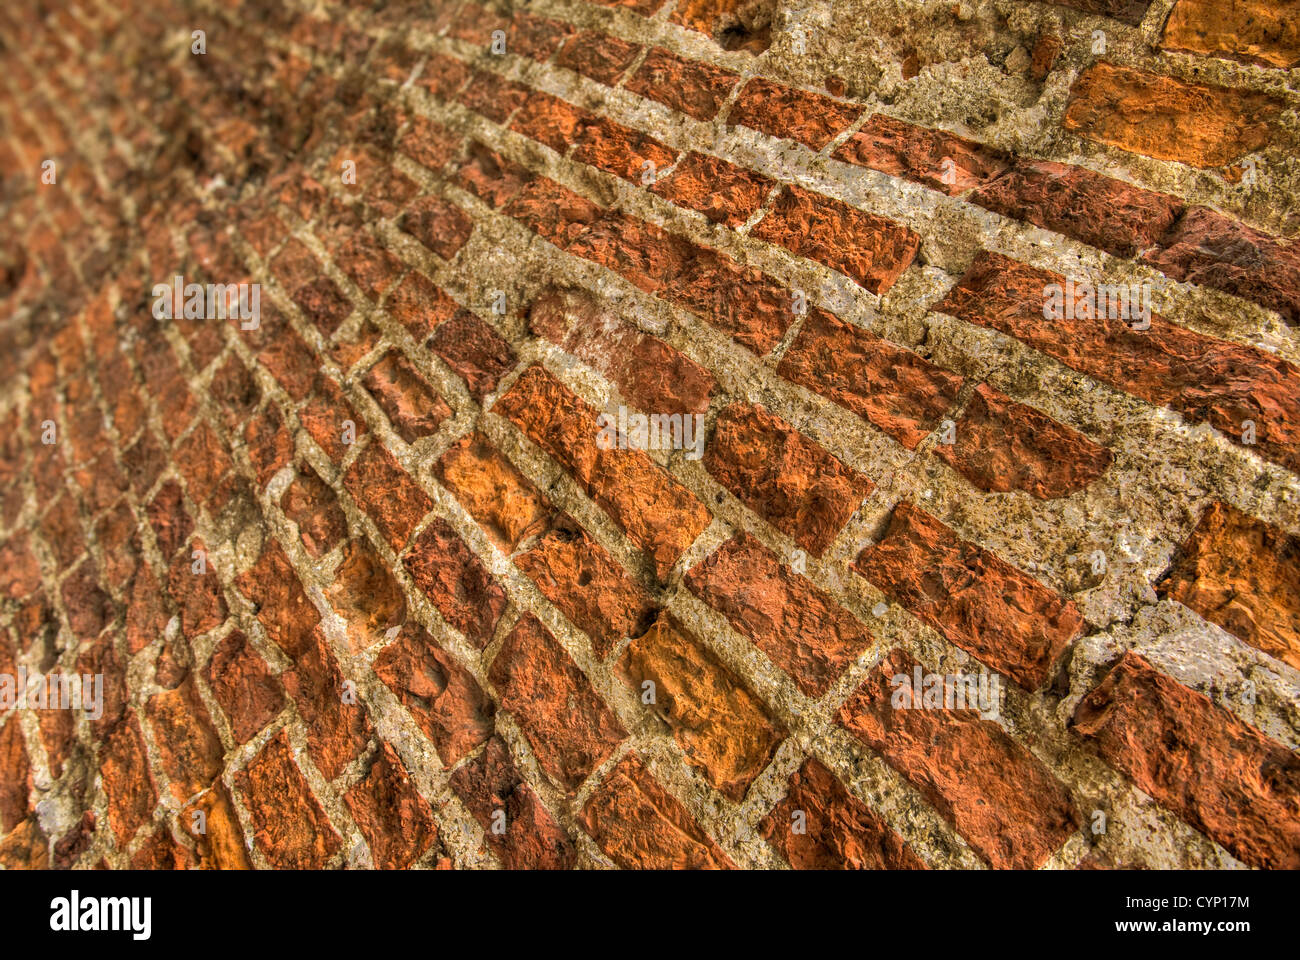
{"x": 311, "y": 504}
{"x": 1010, "y": 808}
{"x": 439, "y": 224}
{"x": 372, "y": 268}
{"x": 1205, "y": 247}
{"x": 489, "y": 176}
{"x": 429, "y": 143}
{"x": 1002, "y": 446}
{"x": 474, "y": 351}
{"x": 324, "y": 304}
{"x": 419, "y": 306}
{"x": 244, "y": 687}
{"x": 1241, "y": 574}
{"x": 792, "y": 482}
{"x": 188, "y": 749}
{"x": 279, "y": 600}
{"x": 269, "y": 445}
{"x": 696, "y": 89}
{"x": 787, "y": 112}
{"x": 569, "y": 728}
{"x": 442, "y": 696}
{"x": 381, "y": 488}
{"x": 20, "y": 574}
{"x": 868, "y": 248}
{"x": 396, "y": 821}
{"x": 442, "y": 76}
{"x": 977, "y": 600}
{"x": 620, "y": 150}
{"x": 550, "y": 120}
{"x": 289, "y": 359}
{"x": 128, "y": 781}
{"x": 288, "y": 823}
{"x": 16, "y": 782}
{"x": 365, "y": 595}
{"x": 658, "y": 515}
{"x": 552, "y": 211}
{"x": 1214, "y": 771}
{"x": 642, "y": 826}
{"x": 236, "y": 393}
{"x": 198, "y": 596}
{"x": 492, "y": 96}
{"x": 535, "y": 37}
{"x": 337, "y": 731}
{"x": 799, "y": 627}
{"x": 722, "y": 191}
{"x": 651, "y": 374}
{"x": 888, "y": 386}
{"x": 722, "y": 728}
{"x": 938, "y": 159}
{"x": 839, "y": 831}
{"x": 493, "y": 492}
{"x": 202, "y": 460}
{"x": 410, "y": 403}
{"x": 146, "y": 616}
{"x": 89, "y": 608}
{"x": 532, "y": 839}
{"x": 579, "y": 576}
{"x": 1097, "y": 210}
{"x": 456, "y": 581}
{"x": 603, "y": 58}
{"x": 1203, "y": 378}
{"x": 1165, "y": 118}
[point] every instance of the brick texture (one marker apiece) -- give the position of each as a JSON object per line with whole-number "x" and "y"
{"x": 612, "y": 423}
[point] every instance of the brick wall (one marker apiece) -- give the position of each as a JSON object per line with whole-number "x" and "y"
{"x": 365, "y": 585}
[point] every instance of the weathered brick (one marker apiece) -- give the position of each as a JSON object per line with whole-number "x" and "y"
{"x": 868, "y": 248}
{"x": 244, "y": 687}
{"x": 16, "y": 782}
{"x": 197, "y": 595}
{"x": 1241, "y": 574}
{"x": 653, "y": 375}
{"x": 443, "y": 696}
{"x": 659, "y": 515}
{"x": 1100, "y": 211}
{"x": 722, "y": 191}
{"x": 568, "y": 726}
{"x": 128, "y": 781}
{"x": 410, "y": 403}
{"x": 381, "y": 488}
{"x": 722, "y": 728}
{"x": 396, "y": 821}
{"x": 641, "y": 825}
{"x": 429, "y": 143}
{"x": 1251, "y": 30}
{"x": 279, "y": 600}
{"x": 189, "y": 751}
{"x": 779, "y": 111}
{"x": 419, "y": 306}
{"x": 221, "y": 844}
{"x": 795, "y": 484}
{"x": 1165, "y": 118}
{"x": 474, "y": 351}
{"x": 1011, "y": 809}
{"x": 1205, "y": 379}
{"x": 1129, "y": 11}
{"x": 532, "y": 839}
{"x": 1214, "y": 771}
{"x": 696, "y": 89}
{"x": 487, "y": 485}
{"x": 311, "y": 504}
{"x": 837, "y": 831}
{"x": 799, "y": 627}
{"x": 1002, "y": 446}
{"x": 579, "y": 576}
{"x": 890, "y": 387}
{"x": 1208, "y": 248}
{"x": 451, "y": 576}
{"x": 974, "y": 598}
{"x": 601, "y": 57}
{"x": 439, "y": 224}
{"x": 935, "y": 158}
{"x": 288, "y": 823}
{"x": 365, "y": 595}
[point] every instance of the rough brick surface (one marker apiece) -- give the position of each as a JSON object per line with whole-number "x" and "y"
{"x": 611, "y": 420}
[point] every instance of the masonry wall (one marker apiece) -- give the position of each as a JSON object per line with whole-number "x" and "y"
{"x": 366, "y": 586}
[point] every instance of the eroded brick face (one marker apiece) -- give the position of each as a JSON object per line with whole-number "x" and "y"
{"x": 659, "y": 440}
